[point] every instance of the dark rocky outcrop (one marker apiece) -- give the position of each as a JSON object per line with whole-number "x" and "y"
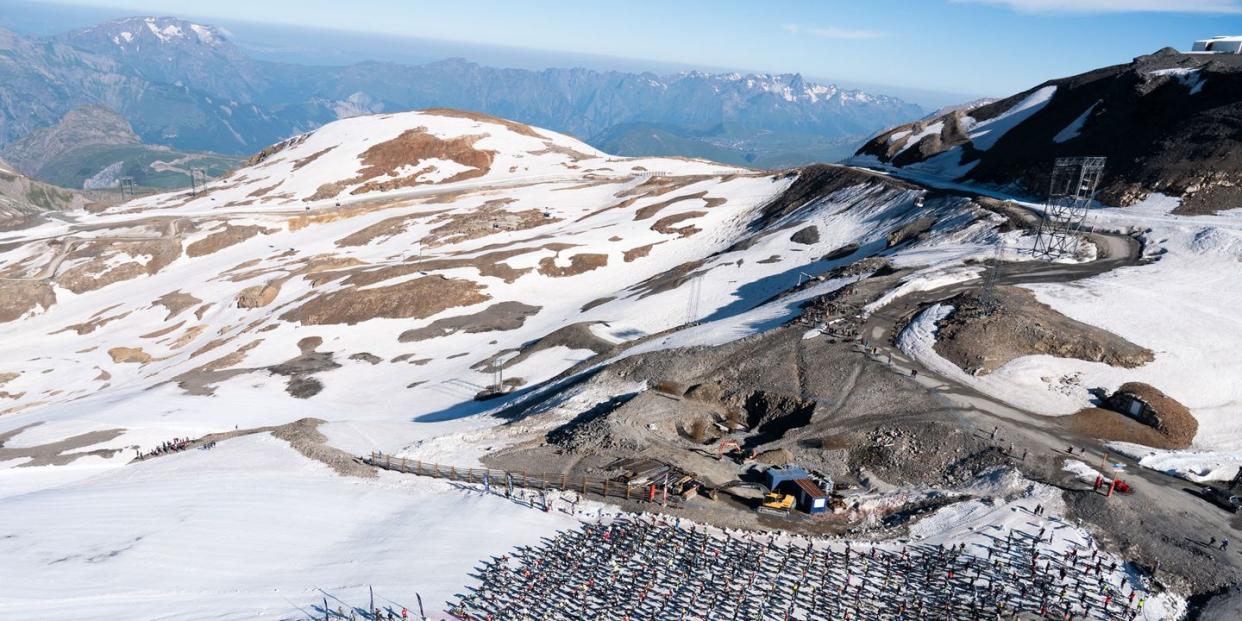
{"x": 1168, "y": 123}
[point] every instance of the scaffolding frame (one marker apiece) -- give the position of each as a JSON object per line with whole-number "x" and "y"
{"x": 1070, "y": 192}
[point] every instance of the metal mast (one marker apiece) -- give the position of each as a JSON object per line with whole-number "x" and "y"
{"x": 198, "y": 179}
{"x": 988, "y": 302}
{"x": 127, "y": 187}
{"x": 1073, "y": 184}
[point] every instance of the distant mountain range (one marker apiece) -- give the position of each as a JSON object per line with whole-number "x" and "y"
{"x": 187, "y": 86}
{"x": 93, "y": 147}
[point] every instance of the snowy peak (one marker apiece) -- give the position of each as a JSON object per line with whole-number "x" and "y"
{"x": 135, "y": 32}
{"x": 167, "y": 50}
{"x": 791, "y": 87}
{"x": 1166, "y": 122}
{"x": 367, "y": 156}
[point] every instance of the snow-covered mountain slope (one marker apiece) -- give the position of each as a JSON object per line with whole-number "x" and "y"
{"x": 462, "y": 245}
{"x": 379, "y": 274}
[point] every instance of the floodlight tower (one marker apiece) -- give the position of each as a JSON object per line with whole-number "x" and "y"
{"x": 126, "y": 184}
{"x": 1073, "y": 184}
{"x": 988, "y": 301}
{"x": 198, "y": 179}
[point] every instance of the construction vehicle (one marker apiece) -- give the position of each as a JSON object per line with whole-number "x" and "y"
{"x": 1222, "y": 498}
{"x": 734, "y": 450}
{"x": 684, "y": 486}
{"x": 776, "y": 503}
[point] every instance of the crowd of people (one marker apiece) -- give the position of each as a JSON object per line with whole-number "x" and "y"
{"x": 631, "y": 569}
{"x": 175, "y": 445}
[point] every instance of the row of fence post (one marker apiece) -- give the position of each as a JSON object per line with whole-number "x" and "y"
{"x": 585, "y": 486}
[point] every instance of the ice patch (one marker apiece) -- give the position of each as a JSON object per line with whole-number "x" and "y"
{"x": 1072, "y": 130}
{"x": 1197, "y": 466}
{"x": 1190, "y": 77}
{"x": 985, "y": 134}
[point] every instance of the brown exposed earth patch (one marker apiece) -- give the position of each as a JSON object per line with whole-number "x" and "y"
{"x": 93, "y": 324}
{"x": 910, "y": 231}
{"x": 123, "y": 355}
{"x": 57, "y": 453}
{"x": 18, "y": 297}
{"x": 578, "y": 264}
{"x": 668, "y": 280}
{"x": 8, "y": 377}
{"x": 23, "y": 268}
{"x": 1117, "y": 427}
{"x": 263, "y": 191}
{"x": 655, "y": 186}
{"x": 302, "y": 221}
{"x": 299, "y": 163}
{"x": 418, "y": 298}
{"x": 517, "y": 128}
{"x": 1021, "y": 326}
{"x": 259, "y": 296}
{"x": 552, "y": 147}
{"x": 501, "y": 316}
{"x": 176, "y": 302}
{"x": 318, "y": 269}
{"x": 303, "y": 435}
{"x": 411, "y": 147}
{"x": 96, "y": 272}
{"x": 572, "y": 336}
{"x": 488, "y": 219}
{"x": 211, "y": 345}
{"x": 227, "y": 236}
{"x": 596, "y": 302}
{"x": 648, "y": 211}
{"x": 384, "y": 229}
{"x": 489, "y": 264}
{"x": 190, "y": 334}
{"x": 230, "y": 360}
{"x": 665, "y": 224}
{"x": 267, "y": 152}
{"x": 301, "y": 370}
{"x": 639, "y": 252}
{"x": 1161, "y": 422}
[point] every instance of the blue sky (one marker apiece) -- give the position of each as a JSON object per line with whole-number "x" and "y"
{"x": 973, "y": 47}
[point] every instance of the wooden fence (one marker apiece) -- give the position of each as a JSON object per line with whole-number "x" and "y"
{"x": 501, "y": 480}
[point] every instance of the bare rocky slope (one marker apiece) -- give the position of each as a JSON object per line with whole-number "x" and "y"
{"x": 1168, "y": 123}
{"x": 22, "y": 199}
{"x": 81, "y": 127}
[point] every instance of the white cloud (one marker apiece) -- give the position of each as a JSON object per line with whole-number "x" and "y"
{"x": 833, "y": 32}
{"x": 1116, "y": 6}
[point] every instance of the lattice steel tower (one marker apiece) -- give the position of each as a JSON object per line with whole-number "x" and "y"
{"x": 126, "y": 184}
{"x": 198, "y": 179}
{"x": 1074, "y": 180}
